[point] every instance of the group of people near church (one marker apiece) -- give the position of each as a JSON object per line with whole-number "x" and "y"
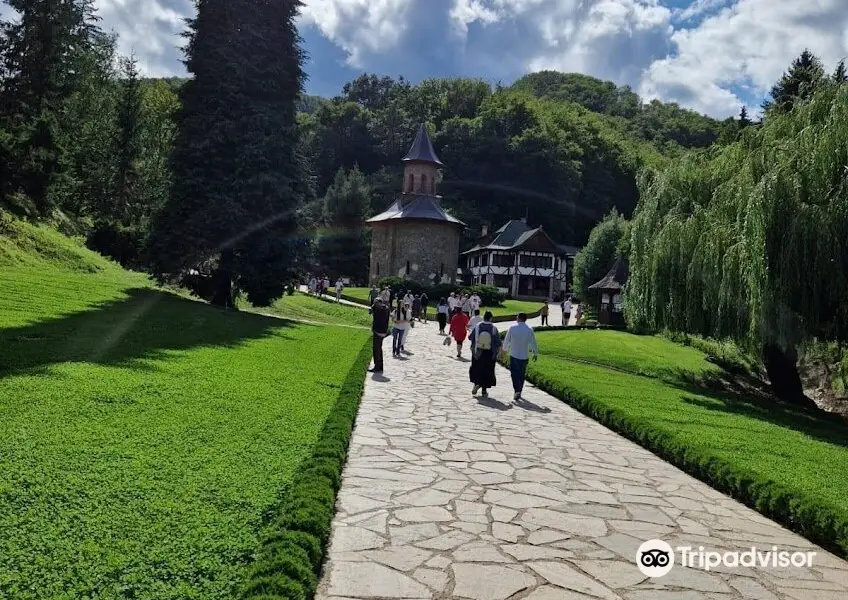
{"x": 460, "y": 315}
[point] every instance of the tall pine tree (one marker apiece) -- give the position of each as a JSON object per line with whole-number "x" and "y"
{"x": 237, "y": 179}
{"x": 804, "y": 76}
{"x": 127, "y": 209}
{"x": 343, "y": 249}
{"x": 40, "y": 53}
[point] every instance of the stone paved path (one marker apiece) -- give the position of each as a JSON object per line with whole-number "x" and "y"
{"x": 447, "y": 496}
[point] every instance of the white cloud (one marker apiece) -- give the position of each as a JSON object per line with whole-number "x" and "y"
{"x": 151, "y": 29}
{"x": 704, "y": 55}
{"x": 358, "y": 26}
{"x": 750, "y": 44}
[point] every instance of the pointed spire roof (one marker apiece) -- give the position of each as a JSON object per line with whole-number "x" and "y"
{"x": 422, "y": 149}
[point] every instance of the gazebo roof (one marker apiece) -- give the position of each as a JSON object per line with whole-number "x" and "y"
{"x": 615, "y": 279}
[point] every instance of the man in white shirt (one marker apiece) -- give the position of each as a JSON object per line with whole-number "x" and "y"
{"x": 520, "y": 343}
{"x": 452, "y": 302}
{"x": 475, "y": 320}
{"x": 475, "y": 302}
{"x": 566, "y": 311}
{"x": 339, "y": 289}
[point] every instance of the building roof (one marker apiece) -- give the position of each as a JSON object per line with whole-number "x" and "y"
{"x": 615, "y": 279}
{"x": 420, "y": 207}
{"x": 569, "y": 250}
{"x": 422, "y": 149}
{"x": 513, "y": 234}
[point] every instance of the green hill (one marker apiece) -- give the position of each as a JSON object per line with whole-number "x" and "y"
{"x": 144, "y": 437}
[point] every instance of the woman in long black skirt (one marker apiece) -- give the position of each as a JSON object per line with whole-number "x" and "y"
{"x": 485, "y": 343}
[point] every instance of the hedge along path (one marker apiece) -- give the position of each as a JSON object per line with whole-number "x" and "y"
{"x": 446, "y": 496}
{"x": 287, "y": 564}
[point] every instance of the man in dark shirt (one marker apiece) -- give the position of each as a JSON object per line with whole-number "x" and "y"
{"x": 380, "y": 329}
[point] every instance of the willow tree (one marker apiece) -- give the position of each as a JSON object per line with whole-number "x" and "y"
{"x": 750, "y": 241}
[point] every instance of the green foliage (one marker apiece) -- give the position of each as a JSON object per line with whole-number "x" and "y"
{"x": 608, "y": 240}
{"x": 146, "y": 440}
{"x": 399, "y": 284}
{"x": 237, "y": 179}
{"x": 43, "y": 51}
{"x": 748, "y": 242}
{"x": 725, "y": 439}
{"x": 805, "y": 75}
{"x": 342, "y": 248}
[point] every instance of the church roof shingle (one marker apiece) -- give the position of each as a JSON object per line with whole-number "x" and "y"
{"x": 422, "y": 149}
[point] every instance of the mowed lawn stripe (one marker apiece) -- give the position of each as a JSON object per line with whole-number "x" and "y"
{"x": 144, "y": 436}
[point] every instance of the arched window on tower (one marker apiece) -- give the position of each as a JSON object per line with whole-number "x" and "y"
{"x": 410, "y": 185}
{"x": 424, "y": 187}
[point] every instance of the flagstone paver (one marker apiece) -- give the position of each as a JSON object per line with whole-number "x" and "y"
{"x": 448, "y": 496}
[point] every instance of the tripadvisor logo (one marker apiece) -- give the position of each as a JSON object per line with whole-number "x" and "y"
{"x": 655, "y": 558}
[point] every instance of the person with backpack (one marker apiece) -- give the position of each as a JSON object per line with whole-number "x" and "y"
{"x": 485, "y": 343}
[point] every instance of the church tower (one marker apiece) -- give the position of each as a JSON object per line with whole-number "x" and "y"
{"x": 415, "y": 238}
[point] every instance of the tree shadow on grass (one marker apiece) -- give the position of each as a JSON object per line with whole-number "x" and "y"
{"x": 143, "y": 325}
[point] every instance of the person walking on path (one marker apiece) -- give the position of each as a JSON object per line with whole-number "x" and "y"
{"x": 401, "y": 317}
{"x": 442, "y": 311}
{"x": 475, "y": 320}
{"x": 424, "y": 301}
{"x": 452, "y": 300}
{"x": 386, "y": 295}
{"x": 566, "y": 311}
{"x": 485, "y": 343}
{"x": 416, "y": 307}
{"x": 466, "y": 306}
{"x": 476, "y": 301}
{"x": 373, "y": 294}
{"x": 379, "y": 330}
{"x": 459, "y": 329}
{"x": 339, "y": 289}
{"x": 546, "y": 310}
{"x": 519, "y": 344}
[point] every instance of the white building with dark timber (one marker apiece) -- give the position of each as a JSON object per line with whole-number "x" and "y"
{"x": 522, "y": 261}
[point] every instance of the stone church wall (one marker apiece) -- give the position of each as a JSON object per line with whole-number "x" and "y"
{"x": 430, "y": 248}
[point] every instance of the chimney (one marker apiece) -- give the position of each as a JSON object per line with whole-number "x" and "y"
{"x": 485, "y": 231}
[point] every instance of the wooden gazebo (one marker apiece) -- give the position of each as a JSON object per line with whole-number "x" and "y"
{"x": 609, "y": 290}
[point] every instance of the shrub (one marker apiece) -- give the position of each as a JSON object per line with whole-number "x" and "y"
{"x": 399, "y": 284}
{"x": 490, "y": 295}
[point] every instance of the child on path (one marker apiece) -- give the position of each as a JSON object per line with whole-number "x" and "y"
{"x": 459, "y": 329}
{"x": 546, "y": 310}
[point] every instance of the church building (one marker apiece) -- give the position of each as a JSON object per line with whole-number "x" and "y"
{"x": 523, "y": 261}
{"x": 415, "y": 238}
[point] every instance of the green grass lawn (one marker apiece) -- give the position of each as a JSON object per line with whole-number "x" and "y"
{"x": 789, "y": 463}
{"x": 306, "y": 308}
{"x": 144, "y": 438}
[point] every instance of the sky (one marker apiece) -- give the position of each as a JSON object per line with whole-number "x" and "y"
{"x": 709, "y": 55}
